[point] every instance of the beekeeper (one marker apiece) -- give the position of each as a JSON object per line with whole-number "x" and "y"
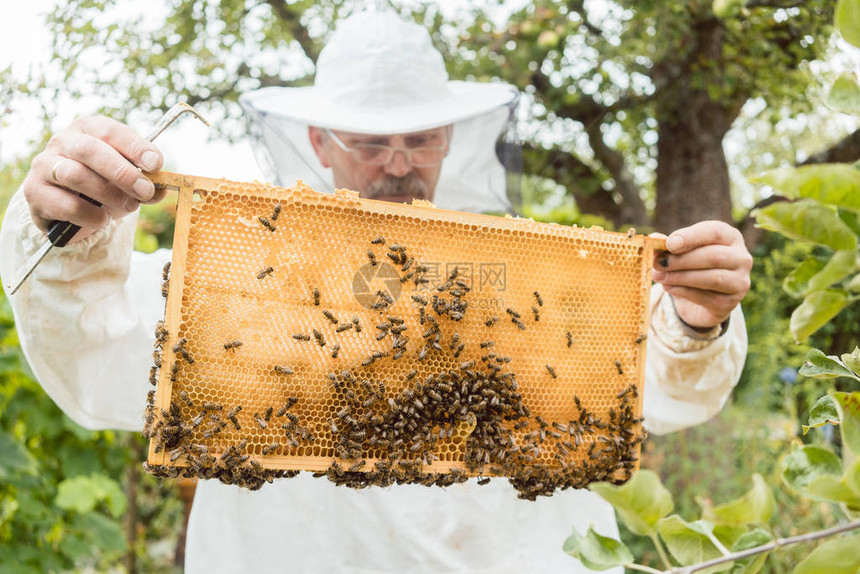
{"x": 383, "y": 118}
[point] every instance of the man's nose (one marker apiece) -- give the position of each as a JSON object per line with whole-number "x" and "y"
{"x": 399, "y": 165}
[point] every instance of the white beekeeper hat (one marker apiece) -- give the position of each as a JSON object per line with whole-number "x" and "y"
{"x": 380, "y": 75}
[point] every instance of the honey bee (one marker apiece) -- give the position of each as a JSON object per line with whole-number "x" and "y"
{"x": 487, "y": 344}
{"x": 271, "y": 447}
{"x": 260, "y": 421}
{"x": 631, "y": 232}
{"x": 512, "y": 313}
{"x": 212, "y": 406}
{"x": 232, "y": 345}
{"x": 153, "y": 376}
{"x": 491, "y": 321}
{"x": 265, "y": 273}
{"x": 551, "y": 371}
{"x": 283, "y": 370}
{"x": 316, "y": 294}
{"x": 378, "y": 241}
{"x": 422, "y": 353}
{"x": 483, "y": 481}
{"x": 641, "y": 338}
{"x": 330, "y": 316}
{"x": 302, "y": 337}
{"x": 536, "y": 313}
{"x": 266, "y": 223}
{"x": 356, "y": 466}
{"x": 519, "y": 324}
{"x": 539, "y": 299}
{"x": 618, "y": 366}
{"x": 372, "y": 257}
{"x": 186, "y": 355}
{"x": 276, "y": 212}
{"x": 343, "y": 327}
{"x": 357, "y": 324}
{"x": 186, "y": 399}
{"x": 407, "y": 265}
{"x": 459, "y": 350}
{"x": 290, "y": 402}
{"x": 335, "y": 349}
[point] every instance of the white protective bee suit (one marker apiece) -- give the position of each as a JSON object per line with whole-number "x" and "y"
{"x": 86, "y": 322}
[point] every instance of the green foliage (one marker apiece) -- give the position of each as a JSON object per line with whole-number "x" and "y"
{"x": 641, "y": 502}
{"x": 597, "y": 552}
{"x": 755, "y": 507}
{"x": 833, "y": 557}
{"x": 48, "y": 524}
{"x": 848, "y": 20}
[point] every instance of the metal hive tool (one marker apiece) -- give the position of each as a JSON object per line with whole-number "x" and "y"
{"x": 375, "y": 343}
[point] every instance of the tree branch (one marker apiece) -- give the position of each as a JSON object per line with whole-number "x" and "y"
{"x": 292, "y": 21}
{"x": 580, "y": 180}
{"x": 846, "y": 150}
{"x": 778, "y": 543}
{"x": 578, "y": 6}
{"x": 632, "y": 207}
{"x": 774, "y": 4}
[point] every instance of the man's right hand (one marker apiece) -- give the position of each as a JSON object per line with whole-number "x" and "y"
{"x": 97, "y": 157}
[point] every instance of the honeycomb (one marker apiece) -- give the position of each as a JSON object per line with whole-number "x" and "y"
{"x": 374, "y": 343}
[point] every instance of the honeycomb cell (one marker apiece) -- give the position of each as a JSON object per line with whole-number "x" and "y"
{"x": 433, "y": 370}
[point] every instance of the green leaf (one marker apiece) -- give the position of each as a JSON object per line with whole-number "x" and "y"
{"x": 815, "y": 311}
{"x": 756, "y": 506}
{"x": 836, "y": 184}
{"x": 848, "y": 406}
{"x": 796, "y": 283}
{"x": 852, "y": 361}
{"x": 727, "y": 8}
{"x": 597, "y": 552}
{"x": 851, "y": 478}
{"x": 640, "y": 503}
{"x": 82, "y": 494}
{"x": 854, "y": 284}
{"x": 14, "y": 459}
{"x": 848, "y": 20}
{"x": 751, "y": 539}
{"x": 816, "y": 473}
{"x": 689, "y": 543}
{"x": 823, "y": 412}
{"x": 821, "y": 366}
{"x": 838, "y": 556}
{"x": 844, "y": 95}
{"x": 103, "y": 532}
{"x": 840, "y": 266}
{"x": 808, "y": 221}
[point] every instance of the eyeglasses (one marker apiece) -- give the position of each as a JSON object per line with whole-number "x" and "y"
{"x": 377, "y": 154}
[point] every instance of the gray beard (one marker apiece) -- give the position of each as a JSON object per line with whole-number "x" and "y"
{"x": 410, "y": 185}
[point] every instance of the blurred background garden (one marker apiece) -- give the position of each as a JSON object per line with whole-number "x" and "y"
{"x": 650, "y": 114}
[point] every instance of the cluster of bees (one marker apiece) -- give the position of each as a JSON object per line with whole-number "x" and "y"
{"x": 382, "y": 438}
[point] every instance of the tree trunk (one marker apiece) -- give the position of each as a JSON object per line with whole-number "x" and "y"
{"x": 692, "y": 174}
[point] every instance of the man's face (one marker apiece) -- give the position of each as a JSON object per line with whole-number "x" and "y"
{"x": 398, "y": 179}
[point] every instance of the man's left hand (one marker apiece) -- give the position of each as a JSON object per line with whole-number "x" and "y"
{"x": 706, "y": 270}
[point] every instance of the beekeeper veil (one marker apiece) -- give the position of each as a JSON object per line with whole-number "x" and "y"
{"x": 381, "y": 75}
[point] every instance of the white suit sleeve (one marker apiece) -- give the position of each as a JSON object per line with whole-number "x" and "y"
{"x": 86, "y": 317}
{"x": 688, "y": 380}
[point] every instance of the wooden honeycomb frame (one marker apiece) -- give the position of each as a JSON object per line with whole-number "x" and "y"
{"x": 576, "y": 356}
